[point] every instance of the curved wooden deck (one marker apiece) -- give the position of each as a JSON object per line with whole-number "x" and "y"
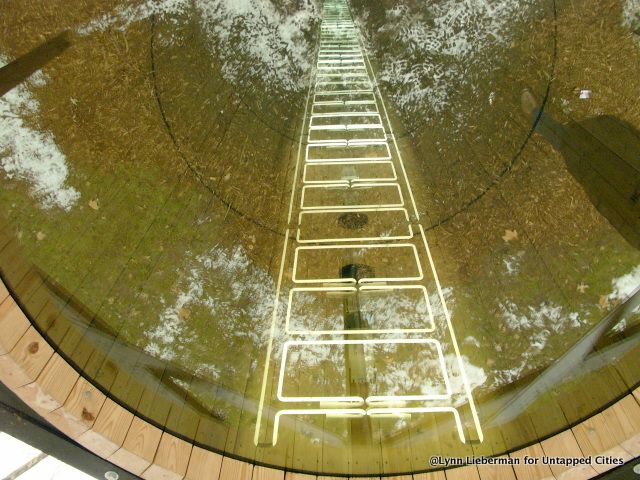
{"x": 44, "y": 381}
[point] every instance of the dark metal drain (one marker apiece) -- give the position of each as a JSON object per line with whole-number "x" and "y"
{"x": 353, "y": 220}
{"x": 357, "y": 271}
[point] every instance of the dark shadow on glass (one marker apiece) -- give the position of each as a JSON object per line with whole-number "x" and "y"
{"x": 355, "y": 360}
{"x": 22, "y": 68}
{"x": 603, "y": 155}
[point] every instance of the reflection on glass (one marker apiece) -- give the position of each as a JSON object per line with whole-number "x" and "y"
{"x": 195, "y": 194}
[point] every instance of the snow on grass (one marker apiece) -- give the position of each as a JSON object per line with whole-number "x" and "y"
{"x": 417, "y": 370}
{"x": 511, "y": 264}
{"x": 254, "y": 38}
{"x": 471, "y": 340}
{"x": 476, "y": 377}
{"x": 234, "y": 298}
{"x": 427, "y": 49}
{"x": 537, "y": 324}
{"x": 169, "y": 333}
{"x": 623, "y": 288}
{"x": 31, "y": 155}
{"x": 631, "y": 15}
{"x": 123, "y": 17}
{"x": 625, "y": 285}
{"x": 251, "y": 38}
{"x": 221, "y": 291}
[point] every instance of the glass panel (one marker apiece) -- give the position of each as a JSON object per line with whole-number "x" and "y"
{"x": 356, "y": 195}
{"x": 353, "y": 225}
{"x": 187, "y": 187}
{"x": 349, "y": 171}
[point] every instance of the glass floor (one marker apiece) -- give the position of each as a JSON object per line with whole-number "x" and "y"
{"x": 336, "y": 237}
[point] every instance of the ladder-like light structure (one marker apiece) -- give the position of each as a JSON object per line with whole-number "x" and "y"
{"x": 357, "y": 238}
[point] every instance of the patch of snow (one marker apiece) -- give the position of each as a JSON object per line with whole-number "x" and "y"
{"x": 620, "y": 327}
{"x": 250, "y": 38}
{"x": 256, "y": 39}
{"x": 538, "y": 324}
{"x": 31, "y": 155}
{"x": 476, "y": 377}
{"x": 436, "y": 304}
{"x": 237, "y": 306}
{"x": 165, "y": 337}
{"x": 430, "y": 47}
{"x": 472, "y": 341}
{"x": 625, "y": 285}
{"x": 123, "y": 17}
{"x": 511, "y": 265}
{"x": 510, "y": 375}
{"x": 631, "y": 15}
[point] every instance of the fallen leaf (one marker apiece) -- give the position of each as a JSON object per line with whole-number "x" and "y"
{"x": 604, "y": 301}
{"x": 40, "y": 236}
{"x": 582, "y": 288}
{"x": 510, "y": 235}
{"x": 94, "y": 204}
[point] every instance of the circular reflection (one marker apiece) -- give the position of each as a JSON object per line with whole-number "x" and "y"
{"x": 153, "y": 162}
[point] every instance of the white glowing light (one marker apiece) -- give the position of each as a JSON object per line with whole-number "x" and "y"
{"x": 346, "y": 114}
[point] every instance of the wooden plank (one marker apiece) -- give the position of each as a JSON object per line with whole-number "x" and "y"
{"x": 636, "y": 394}
{"x": 496, "y": 472}
{"x": 211, "y": 431}
{"x": 13, "y": 325}
{"x": 203, "y": 464}
{"x": 439, "y": 475}
{"x": 79, "y": 411}
{"x": 336, "y": 454}
{"x": 299, "y": 476}
{"x": 537, "y": 471}
{"x": 127, "y": 386}
{"x": 423, "y": 436}
{"x": 235, "y": 470}
{"x": 30, "y": 290}
{"x": 596, "y": 436}
{"x": 154, "y": 402}
{"x": 492, "y": 445}
{"x": 264, "y": 473}
{"x": 468, "y": 472}
{"x": 52, "y": 387}
{"x": 183, "y": 418}
{"x": 306, "y": 454}
{"x": 14, "y": 268}
{"x": 26, "y": 360}
{"x": 565, "y": 445}
{"x": 520, "y": 430}
{"x": 139, "y": 447}
{"x": 52, "y": 321}
{"x": 171, "y": 459}
{"x": 396, "y": 456}
{"x": 626, "y": 413}
{"x": 109, "y": 431}
{"x": 4, "y": 293}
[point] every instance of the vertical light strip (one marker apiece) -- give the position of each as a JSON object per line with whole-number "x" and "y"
{"x": 343, "y": 62}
